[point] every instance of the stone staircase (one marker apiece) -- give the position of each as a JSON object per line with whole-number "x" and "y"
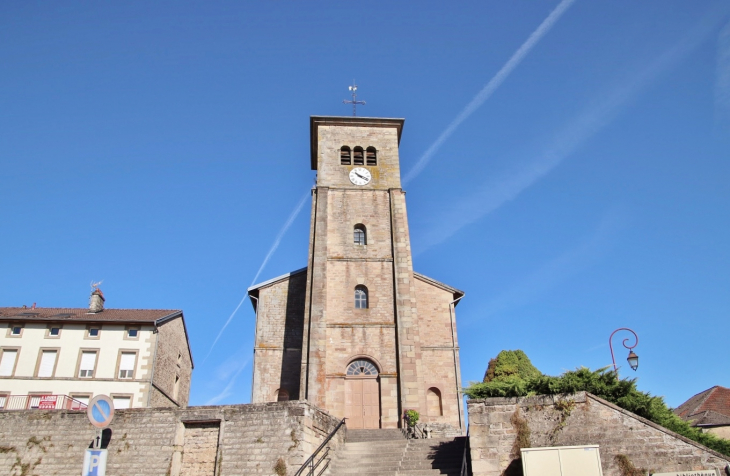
{"x": 389, "y": 453}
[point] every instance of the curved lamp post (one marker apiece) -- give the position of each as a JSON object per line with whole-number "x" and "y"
{"x": 632, "y": 359}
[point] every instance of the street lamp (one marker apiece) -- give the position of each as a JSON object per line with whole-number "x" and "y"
{"x": 632, "y": 359}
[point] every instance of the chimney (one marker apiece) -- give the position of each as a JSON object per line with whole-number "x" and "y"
{"x": 96, "y": 301}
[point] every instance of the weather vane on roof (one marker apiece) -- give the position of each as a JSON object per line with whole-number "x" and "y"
{"x": 354, "y": 101}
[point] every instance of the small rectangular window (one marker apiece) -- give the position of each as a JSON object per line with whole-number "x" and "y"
{"x": 121, "y": 402}
{"x": 87, "y": 365}
{"x": 47, "y": 364}
{"x": 7, "y": 362}
{"x": 16, "y": 330}
{"x": 126, "y": 365}
{"x": 54, "y": 331}
{"x": 132, "y": 333}
{"x": 93, "y": 332}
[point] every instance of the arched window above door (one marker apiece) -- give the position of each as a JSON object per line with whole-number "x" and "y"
{"x": 362, "y": 367}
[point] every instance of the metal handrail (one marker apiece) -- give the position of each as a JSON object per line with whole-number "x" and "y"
{"x": 464, "y": 460}
{"x": 40, "y": 402}
{"x": 310, "y": 463}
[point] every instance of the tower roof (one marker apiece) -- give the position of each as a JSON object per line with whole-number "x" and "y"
{"x": 316, "y": 121}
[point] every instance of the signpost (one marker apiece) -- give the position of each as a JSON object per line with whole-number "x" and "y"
{"x": 100, "y": 412}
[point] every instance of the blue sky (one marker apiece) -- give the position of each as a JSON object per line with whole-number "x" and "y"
{"x": 571, "y": 179}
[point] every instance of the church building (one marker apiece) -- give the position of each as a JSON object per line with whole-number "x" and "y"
{"x": 358, "y": 332}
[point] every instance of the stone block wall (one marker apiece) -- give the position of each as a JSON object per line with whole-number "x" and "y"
{"x": 496, "y": 423}
{"x": 222, "y": 440}
{"x": 279, "y": 330}
{"x": 171, "y": 360}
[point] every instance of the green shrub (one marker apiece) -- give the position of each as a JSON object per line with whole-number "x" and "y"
{"x": 412, "y": 417}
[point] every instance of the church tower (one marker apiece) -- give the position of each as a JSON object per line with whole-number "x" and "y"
{"x": 372, "y": 337}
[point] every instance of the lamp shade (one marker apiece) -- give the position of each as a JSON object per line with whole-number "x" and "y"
{"x": 633, "y": 360}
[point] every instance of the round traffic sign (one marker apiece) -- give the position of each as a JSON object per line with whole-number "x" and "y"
{"x": 100, "y": 411}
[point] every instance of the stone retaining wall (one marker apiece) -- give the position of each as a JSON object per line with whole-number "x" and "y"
{"x": 494, "y": 426}
{"x": 219, "y": 440}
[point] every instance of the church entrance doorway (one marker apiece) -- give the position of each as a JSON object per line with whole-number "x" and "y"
{"x": 362, "y": 395}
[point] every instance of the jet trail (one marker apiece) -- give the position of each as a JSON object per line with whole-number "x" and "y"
{"x": 491, "y": 86}
{"x": 273, "y": 248}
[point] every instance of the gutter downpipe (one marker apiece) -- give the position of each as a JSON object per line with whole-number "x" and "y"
{"x": 156, "y": 332}
{"x": 255, "y": 339}
{"x": 452, "y": 304}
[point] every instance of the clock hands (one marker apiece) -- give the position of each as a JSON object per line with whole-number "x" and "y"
{"x": 360, "y": 176}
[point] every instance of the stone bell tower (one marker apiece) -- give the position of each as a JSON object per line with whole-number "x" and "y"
{"x": 376, "y": 338}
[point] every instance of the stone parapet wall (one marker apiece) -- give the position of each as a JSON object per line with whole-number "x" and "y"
{"x": 220, "y": 440}
{"x": 496, "y": 423}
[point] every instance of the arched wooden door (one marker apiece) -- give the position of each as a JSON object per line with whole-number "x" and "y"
{"x": 362, "y": 395}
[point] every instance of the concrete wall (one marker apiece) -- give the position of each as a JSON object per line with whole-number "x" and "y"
{"x": 494, "y": 424}
{"x": 223, "y": 440}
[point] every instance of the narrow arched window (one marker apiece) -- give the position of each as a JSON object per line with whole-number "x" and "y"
{"x": 361, "y": 297}
{"x": 282, "y": 395}
{"x": 360, "y": 235}
{"x": 345, "y": 155}
{"x": 433, "y": 400}
{"x": 358, "y": 156}
{"x": 371, "y": 156}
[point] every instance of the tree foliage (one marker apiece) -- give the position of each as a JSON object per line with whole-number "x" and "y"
{"x": 510, "y": 365}
{"x": 604, "y": 384}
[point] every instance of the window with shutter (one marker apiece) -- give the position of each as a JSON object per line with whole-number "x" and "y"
{"x": 48, "y": 362}
{"x": 121, "y": 402}
{"x": 88, "y": 361}
{"x": 126, "y": 365}
{"x": 7, "y": 364}
{"x": 3, "y": 401}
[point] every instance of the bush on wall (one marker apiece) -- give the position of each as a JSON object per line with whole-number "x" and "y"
{"x": 604, "y": 384}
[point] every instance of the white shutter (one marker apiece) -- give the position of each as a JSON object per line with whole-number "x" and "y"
{"x": 121, "y": 402}
{"x": 126, "y": 365}
{"x": 35, "y": 400}
{"x": 88, "y": 359}
{"x": 48, "y": 361}
{"x": 8, "y": 363}
{"x": 3, "y": 400}
{"x": 127, "y": 362}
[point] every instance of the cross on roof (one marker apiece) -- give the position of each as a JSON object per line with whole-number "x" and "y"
{"x": 354, "y": 100}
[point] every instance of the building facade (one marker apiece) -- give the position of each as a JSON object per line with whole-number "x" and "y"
{"x": 358, "y": 332}
{"x": 140, "y": 358}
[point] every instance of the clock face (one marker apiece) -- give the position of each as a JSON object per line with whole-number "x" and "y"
{"x": 360, "y": 176}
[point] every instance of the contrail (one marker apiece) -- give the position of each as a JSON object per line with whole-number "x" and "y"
{"x": 273, "y": 248}
{"x": 491, "y": 86}
{"x": 565, "y": 141}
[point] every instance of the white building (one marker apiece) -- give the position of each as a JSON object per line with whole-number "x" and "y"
{"x": 139, "y": 357}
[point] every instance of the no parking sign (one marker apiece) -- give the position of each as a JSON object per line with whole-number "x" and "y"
{"x": 100, "y": 412}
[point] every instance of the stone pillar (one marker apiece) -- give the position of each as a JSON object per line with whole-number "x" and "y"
{"x": 410, "y": 377}
{"x": 314, "y": 352}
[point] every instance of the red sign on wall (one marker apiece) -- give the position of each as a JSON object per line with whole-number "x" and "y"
{"x": 47, "y": 402}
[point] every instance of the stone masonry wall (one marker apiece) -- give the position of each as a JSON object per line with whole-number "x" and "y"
{"x": 440, "y": 371}
{"x": 279, "y": 330}
{"x": 172, "y": 360}
{"x": 589, "y": 420}
{"x": 223, "y": 440}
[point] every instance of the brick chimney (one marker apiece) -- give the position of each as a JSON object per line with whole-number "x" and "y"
{"x": 96, "y": 301}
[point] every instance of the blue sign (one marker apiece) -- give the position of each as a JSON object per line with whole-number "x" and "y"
{"x": 100, "y": 411}
{"x": 94, "y": 463}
